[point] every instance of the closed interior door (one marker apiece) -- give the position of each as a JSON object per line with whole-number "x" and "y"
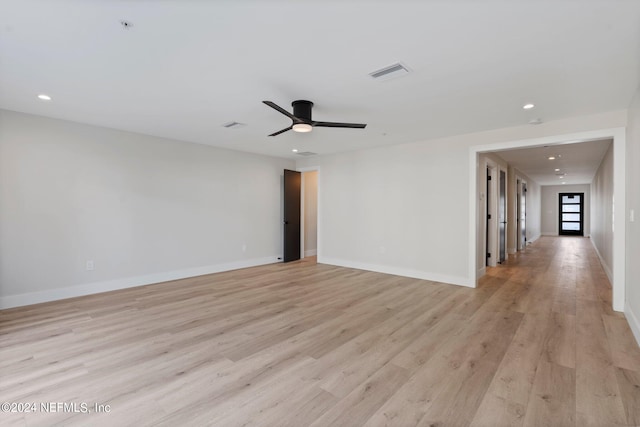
{"x": 488, "y": 219}
{"x": 571, "y": 214}
{"x": 502, "y": 218}
{"x": 292, "y": 187}
{"x": 523, "y": 216}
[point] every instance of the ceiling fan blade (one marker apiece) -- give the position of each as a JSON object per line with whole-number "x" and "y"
{"x": 280, "y": 109}
{"x": 339, "y": 125}
{"x": 281, "y": 131}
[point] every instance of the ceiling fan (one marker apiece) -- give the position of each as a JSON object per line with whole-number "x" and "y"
{"x": 302, "y": 118}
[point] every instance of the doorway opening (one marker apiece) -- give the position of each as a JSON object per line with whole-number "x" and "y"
{"x": 309, "y": 223}
{"x": 571, "y": 214}
{"x": 521, "y": 213}
{"x": 617, "y": 240}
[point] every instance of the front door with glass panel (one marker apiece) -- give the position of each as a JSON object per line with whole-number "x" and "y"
{"x": 571, "y": 216}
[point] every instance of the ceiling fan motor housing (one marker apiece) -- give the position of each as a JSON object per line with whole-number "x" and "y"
{"x": 302, "y": 109}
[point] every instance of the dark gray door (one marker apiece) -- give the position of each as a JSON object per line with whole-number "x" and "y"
{"x": 502, "y": 216}
{"x": 523, "y": 216}
{"x": 292, "y": 187}
{"x": 488, "y": 219}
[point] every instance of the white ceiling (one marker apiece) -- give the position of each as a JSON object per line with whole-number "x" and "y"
{"x": 577, "y": 162}
{"x": 187, "y": 67}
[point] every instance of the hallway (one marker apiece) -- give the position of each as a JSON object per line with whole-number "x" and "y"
{"x": 572, "y": 355}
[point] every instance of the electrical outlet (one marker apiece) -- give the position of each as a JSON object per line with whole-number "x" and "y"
{"x": 89, "y": 265}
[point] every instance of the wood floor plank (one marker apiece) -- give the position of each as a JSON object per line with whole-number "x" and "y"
{"x": 629, "y": 385}
{"x": 506, "y": 399}
{"x": 361, "y": 403}
{"x": 553, "y": 400}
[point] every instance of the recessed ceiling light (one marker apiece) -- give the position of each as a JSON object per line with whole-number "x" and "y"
{"x": 295, "y": 150}
{"x": 563, "y": 182}
{"x": 44, "y": 97}
{"x": 528, "y": 106}
{"x": 552, "y": 158}
{"x": 557, "y": 170}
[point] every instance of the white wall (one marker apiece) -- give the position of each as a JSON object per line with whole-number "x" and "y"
{"x": 550, "y": 202}
{"x": 404, "y": 209}
{"x": 144, "y": 209}
{"x": 602, "y": 212}
{"x": 310, "y": 212}
{"x": 632, "y": 308}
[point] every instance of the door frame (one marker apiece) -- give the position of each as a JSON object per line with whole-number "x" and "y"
{"x": 560, "y": 221}
{"x": 618, "y": 135}
{"x": 521, "y": 188}
{"x": 491, "y": 208}
{"x": 318, "y": 217}
{"x": 506, "y": 210}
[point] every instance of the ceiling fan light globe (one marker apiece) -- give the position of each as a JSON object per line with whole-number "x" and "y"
{"x": 302, "y": 127}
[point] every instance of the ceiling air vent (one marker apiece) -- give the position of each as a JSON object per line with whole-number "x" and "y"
{"x": 306, "y": 153}
{"x": 233, "y": 125}
{"x": 392, "y": 71}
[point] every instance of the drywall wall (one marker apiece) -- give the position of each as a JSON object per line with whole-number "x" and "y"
{"x": 602, "y": 208}
{"x": 143, "y": 209}
{"x": 550, "y": 207}
{"x": 632, "y": 306}
{"x": 310, "y": 212}
{"x": 405, "y": 209}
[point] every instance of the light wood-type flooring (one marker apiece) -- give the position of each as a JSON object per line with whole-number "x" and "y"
{"x": 305, "y": 344}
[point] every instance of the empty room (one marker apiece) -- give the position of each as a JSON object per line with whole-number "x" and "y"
{"x": 319, "y": 213}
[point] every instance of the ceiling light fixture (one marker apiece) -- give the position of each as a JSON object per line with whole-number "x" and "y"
{"x": 557, "y": 170}
{"x": 528, "y": 106}
{"x": 302, "y": 127}
{"x": 552, "y": 158}
{"x": 44, "y": 97}
{"x": 295, "y": 150}
{"x": 563, "y": 182}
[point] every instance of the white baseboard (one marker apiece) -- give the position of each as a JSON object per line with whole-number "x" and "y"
{"x": 511, "y": 251}
{"x": 533, "y": 239}
{"x": 19, "y": 300}
{"x": 548, "y": 233}
{"x": 632, "y": 319}
{"x": 605, "y": 267}
{"x": 481, "y": 272}
{"x": 397, "y": 271}
{"x": 310, "y": 252}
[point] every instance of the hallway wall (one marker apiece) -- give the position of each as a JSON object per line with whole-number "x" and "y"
{"x": 549, "y": 207}
{"x": 632, "y": 309}
{"x": 602, "y": 224}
